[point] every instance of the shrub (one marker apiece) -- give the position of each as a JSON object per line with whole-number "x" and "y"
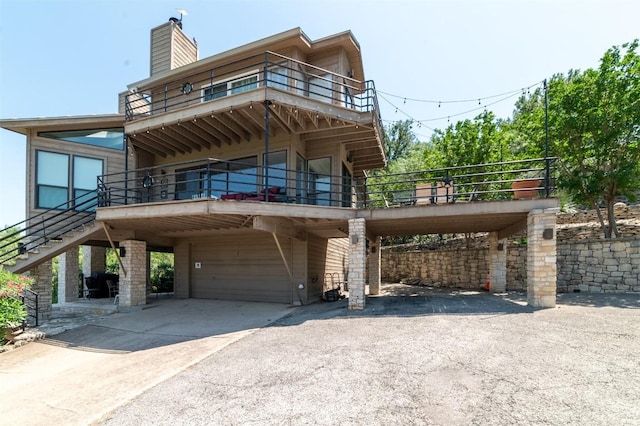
{"x": 12, "y": 286}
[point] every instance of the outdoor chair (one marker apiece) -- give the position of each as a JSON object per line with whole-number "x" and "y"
{"x": 113, "y": 288}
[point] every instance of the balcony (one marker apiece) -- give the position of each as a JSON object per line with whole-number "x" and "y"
{"x": 222, "y": 180}
{"x": 256, "y": 97}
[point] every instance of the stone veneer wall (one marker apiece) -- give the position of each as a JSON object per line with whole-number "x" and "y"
{"x": 592, "y": 265}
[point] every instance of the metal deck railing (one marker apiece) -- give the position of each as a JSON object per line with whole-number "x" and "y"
{"x": 266, "y": 69}
{"x": 247, "y": 181}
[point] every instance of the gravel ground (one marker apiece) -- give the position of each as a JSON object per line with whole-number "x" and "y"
{"x": 428, "y": 357}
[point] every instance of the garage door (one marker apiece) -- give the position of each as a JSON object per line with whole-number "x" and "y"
{"x": 241, "y": 268}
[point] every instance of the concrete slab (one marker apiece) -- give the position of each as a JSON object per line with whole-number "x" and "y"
{"x": 78, "y": 376}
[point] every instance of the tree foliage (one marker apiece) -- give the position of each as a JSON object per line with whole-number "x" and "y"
{"x": 594, "y": 128}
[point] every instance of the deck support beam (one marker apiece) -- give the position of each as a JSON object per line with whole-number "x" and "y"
{"x": 497, "y": 263}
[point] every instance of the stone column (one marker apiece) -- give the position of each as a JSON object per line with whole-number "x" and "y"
{"x": 132, "y": 287}
{"x": 68, "y": 281}
{"x": 93, "y": 260}
{"x": 497, "y": 263}
{"x": 541, "y": 258}
{"x": 357, "y": 263}
{"x": 41, "y": 275}
{"x": 374, "y": 266}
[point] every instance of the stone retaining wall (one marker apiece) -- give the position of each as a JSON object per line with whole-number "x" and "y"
{"x": 592, "y": 265}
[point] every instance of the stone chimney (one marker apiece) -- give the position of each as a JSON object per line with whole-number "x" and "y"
{"x": 171, "y": 48}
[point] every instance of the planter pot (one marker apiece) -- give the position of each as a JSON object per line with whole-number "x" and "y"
{"x": 523, "y": 189}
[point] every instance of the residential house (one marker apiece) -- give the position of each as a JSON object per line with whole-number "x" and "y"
{"x": 249, "y": 165}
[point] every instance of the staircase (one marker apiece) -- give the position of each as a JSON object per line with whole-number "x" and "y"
{"x": 46, "y": 235}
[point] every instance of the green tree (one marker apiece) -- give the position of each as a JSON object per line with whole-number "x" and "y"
{"x": 398, "y": 139}
{"x": 594, "y": 129}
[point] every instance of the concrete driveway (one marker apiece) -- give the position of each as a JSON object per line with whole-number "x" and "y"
{"x": 80, "y": 375}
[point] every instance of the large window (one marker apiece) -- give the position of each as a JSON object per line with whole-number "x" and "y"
{"x": 320, "y": 181}
{"x": 277, "y": 169}
{"x": 277, "y": 77}
{"x": 230, "y": 87}
{"x": 237, "y": 176}
{"x": 54, "y": 175}
{"x": 85, "y": 175}
{"x": 112, "y": 138}
{"x": 52, "y": 180}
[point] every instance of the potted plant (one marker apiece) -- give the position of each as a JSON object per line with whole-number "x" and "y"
{"x": 12, "y": 310}
{"x": 527, "y": 186}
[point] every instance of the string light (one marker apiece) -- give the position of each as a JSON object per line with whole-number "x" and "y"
{"x": 452, "y": 101}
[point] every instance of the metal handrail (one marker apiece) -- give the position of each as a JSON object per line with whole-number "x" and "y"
{"x": 49, "y": 225}
{"x": 216, "y": 178}
{"x": 270, "y": 69}
{"x": 33, "y": 307}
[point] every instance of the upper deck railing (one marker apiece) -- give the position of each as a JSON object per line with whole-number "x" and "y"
{"x": 247, "y": 181}
{"x": 267, "y": 69}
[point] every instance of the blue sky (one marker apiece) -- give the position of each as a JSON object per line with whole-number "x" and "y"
{"x": 72, "y": 57}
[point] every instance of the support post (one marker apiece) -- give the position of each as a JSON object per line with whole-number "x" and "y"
{"x": 541, "y": 258}
{"x": 133, "y": 286}
{"x": 497, "y": 263}
{"x": 68, "y": 274}
{"x": 357, "y": 263}
{"x": 41, "y": 275}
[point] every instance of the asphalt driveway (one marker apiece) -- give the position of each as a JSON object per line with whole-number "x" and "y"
{"x": 414, "y": 356}
{"x": 423, "y": 358}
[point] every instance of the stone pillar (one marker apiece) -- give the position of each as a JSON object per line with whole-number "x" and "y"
{"x": 41, "y": 275}
{"x": 374, "y": 266}
{"x": 497, "y": 263}
{"x": 68, "y": 271}
{"x": 132, "y": 286}
{"x": 541, "y": 258}
{"x": 357, "y": 263}
{"x": 93, "y": 260}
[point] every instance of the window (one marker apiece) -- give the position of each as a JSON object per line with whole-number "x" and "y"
{"x": 53, "y": 175}
{"x": 321, "y": 88}
{"x": 277, "y": 169}
{"x": 52, "y": 180}
{"x": 347, "y": 196}
{"x": 214, "y": 92}
{"x": 237, "y": 176}
{"x": 277, "y": 77}
{"x": 244, "y": 84}
{"x": 301, "y": 179}
{"x": 230, "y": 87}
{"x": 85, "y": 181}
{"x": 112, "y": 138}
{"x": 320, "y": 181}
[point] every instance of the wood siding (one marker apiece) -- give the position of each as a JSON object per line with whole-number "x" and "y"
{"x": 243, "y": 267}
{"x": 326, "y": 257}
{"x": 170, "y": 49}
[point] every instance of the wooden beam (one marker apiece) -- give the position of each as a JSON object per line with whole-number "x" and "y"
{"x": 512, "y": 229}
{"x": 277, "y": 225}
{"x": 113, "y": 246}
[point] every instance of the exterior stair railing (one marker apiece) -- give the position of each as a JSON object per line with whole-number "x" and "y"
{"x": 38, "y": 231}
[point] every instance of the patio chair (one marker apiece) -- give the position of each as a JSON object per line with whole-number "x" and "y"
{"x": 113, "y": 288}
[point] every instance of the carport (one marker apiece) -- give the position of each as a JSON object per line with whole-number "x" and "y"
{"x": 499, "y": 218}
